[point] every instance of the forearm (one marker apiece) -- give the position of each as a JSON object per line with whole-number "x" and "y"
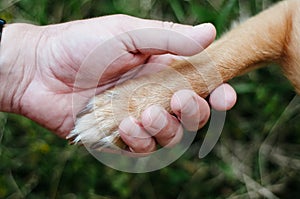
{"x": 17, "y": 55}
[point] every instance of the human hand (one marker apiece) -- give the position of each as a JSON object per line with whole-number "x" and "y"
{"x": 43, "y": 73}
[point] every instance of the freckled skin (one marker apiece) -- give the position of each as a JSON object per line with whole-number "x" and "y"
{"x": 271, "y": 36}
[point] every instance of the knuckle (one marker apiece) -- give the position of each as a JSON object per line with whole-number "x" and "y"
{"x": 145, "y": 146}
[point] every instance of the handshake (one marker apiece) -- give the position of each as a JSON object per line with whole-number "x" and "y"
{"x": 125, "y": 83}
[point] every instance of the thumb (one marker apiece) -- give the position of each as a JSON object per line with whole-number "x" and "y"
{"x": 157, "y": 37}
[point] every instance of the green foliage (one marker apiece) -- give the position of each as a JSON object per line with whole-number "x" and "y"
{"x": 257, "y": 152}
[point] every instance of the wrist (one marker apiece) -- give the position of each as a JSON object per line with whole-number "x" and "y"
{"x": 17, "y": 63}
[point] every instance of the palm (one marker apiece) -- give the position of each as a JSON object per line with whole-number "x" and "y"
{"x": 68, "y": 77}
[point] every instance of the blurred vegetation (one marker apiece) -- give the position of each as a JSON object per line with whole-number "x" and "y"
{"x": 256, "y": 157}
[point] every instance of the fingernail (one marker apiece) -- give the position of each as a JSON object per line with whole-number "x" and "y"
{"x": 206, "y": 27}
{"x": 129, "y": 126}
{"x": 157, "y": 119}
{"x": 204, "y": 33}
{"x": 190, "y": 107}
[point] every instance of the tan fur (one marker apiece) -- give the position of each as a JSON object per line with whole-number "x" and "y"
{"x": 271, "y": 36}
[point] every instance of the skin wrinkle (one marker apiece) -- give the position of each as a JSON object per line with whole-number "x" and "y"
{"x": 125, "y": 75}
{"x": 9, "y": 88}
{"x": 138, "y": 132}
{"x": 68, "y": 57}
{"x": 168, "y": 127}
{"x": 65, "y": 63}
{"x": 7, "y": 81}
{"x": 26, "y": 86}
{"x": 23, "y": 81}
{"x": 60, "y": 126}
{"x": 68, "y": 88}
{"x": 133, "y": 47}
{"x": 168, "y": 26}
{"x": 149, "y": 146}
{"x": 139, "y": 62}
{"x": 53, "y": 53}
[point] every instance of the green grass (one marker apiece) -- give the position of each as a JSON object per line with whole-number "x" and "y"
{"x": 256, "y": 157}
